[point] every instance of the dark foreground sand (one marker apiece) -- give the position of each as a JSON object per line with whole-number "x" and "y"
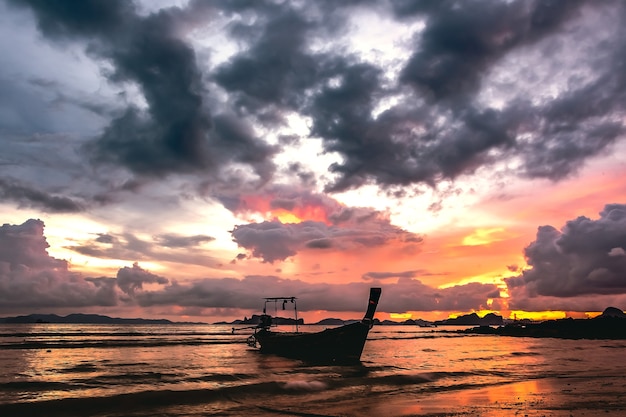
{"x": 591, "y": 396}
{"x": 542, "y": 397}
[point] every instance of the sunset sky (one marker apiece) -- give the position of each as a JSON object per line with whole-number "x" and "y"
{"x": 185, "y": 159}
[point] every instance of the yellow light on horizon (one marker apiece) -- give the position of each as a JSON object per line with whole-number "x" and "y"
{"x": 537, "y": 315}
{"x": 400, "y": 316}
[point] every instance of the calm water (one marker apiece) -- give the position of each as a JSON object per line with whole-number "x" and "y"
{"x": 180, "y": 370}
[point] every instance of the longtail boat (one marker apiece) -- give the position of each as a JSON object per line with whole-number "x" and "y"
{"x": 341, "y": 345}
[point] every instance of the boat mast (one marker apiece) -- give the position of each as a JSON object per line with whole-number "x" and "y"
{"x": 295, "y": 308}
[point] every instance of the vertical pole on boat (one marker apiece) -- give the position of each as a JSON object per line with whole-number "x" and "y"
{"x": 295, "y": 307}
{"x": 371, "y": 305}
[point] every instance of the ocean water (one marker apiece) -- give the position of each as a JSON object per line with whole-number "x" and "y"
{"x": 202, "y": 370}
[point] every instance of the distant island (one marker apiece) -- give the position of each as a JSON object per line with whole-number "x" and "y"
{"x": 466, "y": 320}
{"x": 83, "y": 319}
{"x": 611, "y": 324}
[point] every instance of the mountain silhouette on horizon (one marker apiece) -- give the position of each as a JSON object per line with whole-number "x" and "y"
{"x": 80, "y": 318}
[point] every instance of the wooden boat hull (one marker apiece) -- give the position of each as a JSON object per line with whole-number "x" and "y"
{"x": 337, "y": 345}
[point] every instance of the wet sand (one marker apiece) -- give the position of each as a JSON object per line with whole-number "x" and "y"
{"x": 592, "y": 396}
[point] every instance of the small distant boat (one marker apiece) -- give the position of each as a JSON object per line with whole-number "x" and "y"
{"x": 340, "y": 345}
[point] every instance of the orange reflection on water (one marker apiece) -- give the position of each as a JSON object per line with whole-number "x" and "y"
{"x": 496, "y": 400}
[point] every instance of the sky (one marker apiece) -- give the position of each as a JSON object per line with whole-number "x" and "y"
{"x": 185, "y": 159}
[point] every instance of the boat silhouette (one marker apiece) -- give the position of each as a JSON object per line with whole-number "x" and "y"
{"x": 339, "y": 345}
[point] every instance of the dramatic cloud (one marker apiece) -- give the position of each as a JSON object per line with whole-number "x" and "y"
{"x": 31, "y": 197}
{"x": 300, "y": 220}
{"x": 461, "y": 41}
{"x": 30, "y": 277}
{"x": 441, "y": 127}
{"x": 175, "y": 133}
{"x": 132, "y": 279}
{"x": 274, "y": 240}
{"x": 441, "y": 109}
{"x": 582, "y": 259}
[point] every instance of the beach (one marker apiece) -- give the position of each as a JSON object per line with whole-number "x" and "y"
{"x": 113, "y": 371}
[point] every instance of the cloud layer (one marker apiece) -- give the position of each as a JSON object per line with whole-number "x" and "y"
{"x": 31, "y": 279}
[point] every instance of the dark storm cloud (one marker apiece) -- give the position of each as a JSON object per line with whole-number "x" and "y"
{"x": 423, "y": 124}
{"x": 584, "y": 258}
{"x": 175, "y": 133}
{"x": 31, "y": 197}
{"x": 439, "y": 130}
{"x": 462, "y": 39}
{"x": 460, "y": 43}
{"x": 275, "y": 70}
{"x": 30, "y": 277}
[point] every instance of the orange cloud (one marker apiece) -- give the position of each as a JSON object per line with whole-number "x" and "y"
{"x": 288, "y": 206}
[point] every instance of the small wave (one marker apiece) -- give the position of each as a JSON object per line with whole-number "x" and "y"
{"x": 80, "y": 368}
{"x": 221, "y": 378}
{"x": 305, "y": 386}
{"x": 525, "y": 354}
{"x": 403, "y": 379}
{"x": 618, "y": 346}
{"x": 135, "y": 377}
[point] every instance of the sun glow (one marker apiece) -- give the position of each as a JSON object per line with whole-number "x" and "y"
{"x": 286, "y": 217}
{"x": 400, "y": 316}
{"x": 265, "y": 206}
{"x": 484, "y": 236}
{"x": 537, "y": 315}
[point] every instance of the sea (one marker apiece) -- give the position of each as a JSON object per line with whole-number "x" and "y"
{"x": 209, "y": 370}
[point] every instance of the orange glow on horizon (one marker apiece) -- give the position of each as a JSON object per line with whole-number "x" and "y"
{"x": 537, "y": 315}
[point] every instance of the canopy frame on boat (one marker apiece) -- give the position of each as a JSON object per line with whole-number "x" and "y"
{"x": 284, "y": 300}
